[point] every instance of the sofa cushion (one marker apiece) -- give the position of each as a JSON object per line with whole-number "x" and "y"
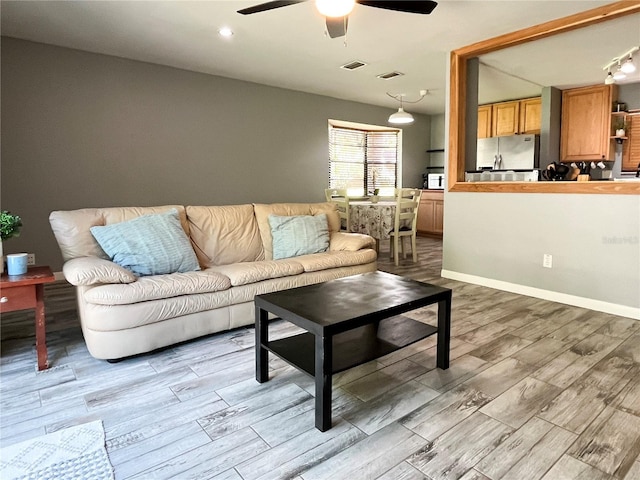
{"x": 71, "y": 228}
{"x": 157, "y": 287}
{"x": 252, "y": 272}
{"x": 262, "y": 212}
{"x": 298, "y": 235}
{"x": 324, "y": 261}
{"x": 94, "y": 270}
{"x": 224, "y": 235}
{"x": 350, "y": 242}
{"x": 148, "y": 245}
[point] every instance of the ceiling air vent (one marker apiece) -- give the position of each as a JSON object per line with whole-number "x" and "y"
{"x": 353, "y": 65}
{"x": 390, "y": 75}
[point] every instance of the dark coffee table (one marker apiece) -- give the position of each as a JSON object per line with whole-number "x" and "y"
{"x": 349, "y": 321}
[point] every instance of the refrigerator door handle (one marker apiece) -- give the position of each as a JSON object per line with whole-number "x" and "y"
{"x": 500, "y": 161}
{"x": 495, "y": 162}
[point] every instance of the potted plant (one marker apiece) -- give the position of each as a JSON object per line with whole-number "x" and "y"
{"x": 619, "y": 125}
{"x": 374, "y": 197}
{"x": 9, "y": 227}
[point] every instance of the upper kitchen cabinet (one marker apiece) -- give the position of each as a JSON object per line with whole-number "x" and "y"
{"x": 586, "y": 123}
{"x": 530, "y": 115}
{"x": 484, "y": 121}
{"x": 509, "y": 118}
{"x": 505, "y": 118}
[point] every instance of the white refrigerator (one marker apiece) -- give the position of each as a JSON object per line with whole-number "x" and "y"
{"x": 515, "y": 152}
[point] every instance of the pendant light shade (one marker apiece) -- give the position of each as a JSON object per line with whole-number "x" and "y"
{"x": 401, "y": 117}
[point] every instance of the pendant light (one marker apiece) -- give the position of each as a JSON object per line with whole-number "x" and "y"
{"x": 401, "y": 117}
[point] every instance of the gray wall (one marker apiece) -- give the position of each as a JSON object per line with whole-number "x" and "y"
{"x": 629, "y": 94}
{"x": 87, "y": 130}
{"x": 594, "y": 240}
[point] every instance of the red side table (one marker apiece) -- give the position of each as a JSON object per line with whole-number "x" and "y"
{"x": 24, "y": 292}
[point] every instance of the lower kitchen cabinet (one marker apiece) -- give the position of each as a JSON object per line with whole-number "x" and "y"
{"x": 431, "y": 212}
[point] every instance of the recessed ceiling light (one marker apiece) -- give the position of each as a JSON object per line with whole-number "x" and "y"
{"x": 225, "y": 32}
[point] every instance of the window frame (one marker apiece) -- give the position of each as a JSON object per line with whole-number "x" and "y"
{"x": 367, "y": 128}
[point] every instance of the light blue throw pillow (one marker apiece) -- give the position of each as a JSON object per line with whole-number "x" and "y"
{"x": 148, "y": 245}
{"x": 299, "y": 235}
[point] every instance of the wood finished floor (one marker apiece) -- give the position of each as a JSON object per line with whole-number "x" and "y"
{"x": 536, "y": 390}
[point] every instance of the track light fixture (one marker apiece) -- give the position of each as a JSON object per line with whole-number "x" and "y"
{"x": 401, "y": 117}
{"x": 624, "y": 65}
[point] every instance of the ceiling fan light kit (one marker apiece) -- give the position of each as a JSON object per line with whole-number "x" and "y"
{"x": 335, "y": 8}
{"x": 337, "y": 11}
{"x": 624, "y": 65}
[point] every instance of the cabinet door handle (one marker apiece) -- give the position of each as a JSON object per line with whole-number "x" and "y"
{"x": 4, "y": 299}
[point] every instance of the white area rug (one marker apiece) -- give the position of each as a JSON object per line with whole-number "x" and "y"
{"x": 72, "y": 453}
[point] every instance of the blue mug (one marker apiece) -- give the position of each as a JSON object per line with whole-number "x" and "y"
{"x": 17, "y": 263}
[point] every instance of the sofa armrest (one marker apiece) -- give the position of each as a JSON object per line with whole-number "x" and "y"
{"x": 94, "y": 270}
{"x": 350, "y": 242}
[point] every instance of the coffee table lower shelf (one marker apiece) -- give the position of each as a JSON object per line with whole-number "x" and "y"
{"x": 353, "y": 347}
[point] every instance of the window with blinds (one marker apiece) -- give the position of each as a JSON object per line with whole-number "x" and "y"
{"x": 363, "y": 160}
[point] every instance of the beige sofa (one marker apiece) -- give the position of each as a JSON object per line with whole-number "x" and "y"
{"x": 123, "y": 315}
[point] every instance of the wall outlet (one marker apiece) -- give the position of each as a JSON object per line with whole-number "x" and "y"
{"x": 31, "y": 259}
{"x": 547, "y": 260}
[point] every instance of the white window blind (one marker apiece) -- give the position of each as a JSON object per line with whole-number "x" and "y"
{"x": 362, "y": 160}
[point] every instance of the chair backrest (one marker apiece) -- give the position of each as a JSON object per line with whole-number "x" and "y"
{"x": 340, "y": 197}
{"x": 407, "y": 203}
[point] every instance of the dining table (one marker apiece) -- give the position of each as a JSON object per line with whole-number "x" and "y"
{"x": 372, "y": 218}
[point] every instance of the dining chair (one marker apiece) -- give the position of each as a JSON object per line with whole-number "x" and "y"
{"x": 406, "y": 219}
{"x": 340, "y": 197}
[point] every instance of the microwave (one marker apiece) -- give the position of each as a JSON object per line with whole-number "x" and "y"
{"x": 435, "y": 181}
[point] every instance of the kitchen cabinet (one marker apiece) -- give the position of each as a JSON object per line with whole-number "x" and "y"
{"x": 631, "y": 146}
{"x": 505, "y": 117}
{"x": 530, "y": 115}
{"x": 484, "y": 121}
{"x": 431, "y": 213}
{"x": 586, "y": 123}
{"x": 510, "y": 118}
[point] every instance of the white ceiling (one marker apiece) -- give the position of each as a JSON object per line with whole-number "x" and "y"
{"x": 287, "y": 47}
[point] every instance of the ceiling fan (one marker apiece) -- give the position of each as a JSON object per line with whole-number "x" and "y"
{"x": 337, "y": 11}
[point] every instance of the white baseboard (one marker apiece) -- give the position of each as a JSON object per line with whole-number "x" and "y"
{"x": 598, "y": 305}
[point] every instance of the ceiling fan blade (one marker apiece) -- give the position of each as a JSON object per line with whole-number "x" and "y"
{"x": 424, "y": 7}
{"x": 263, "y": 7}
{"x": 337, "y": 26}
